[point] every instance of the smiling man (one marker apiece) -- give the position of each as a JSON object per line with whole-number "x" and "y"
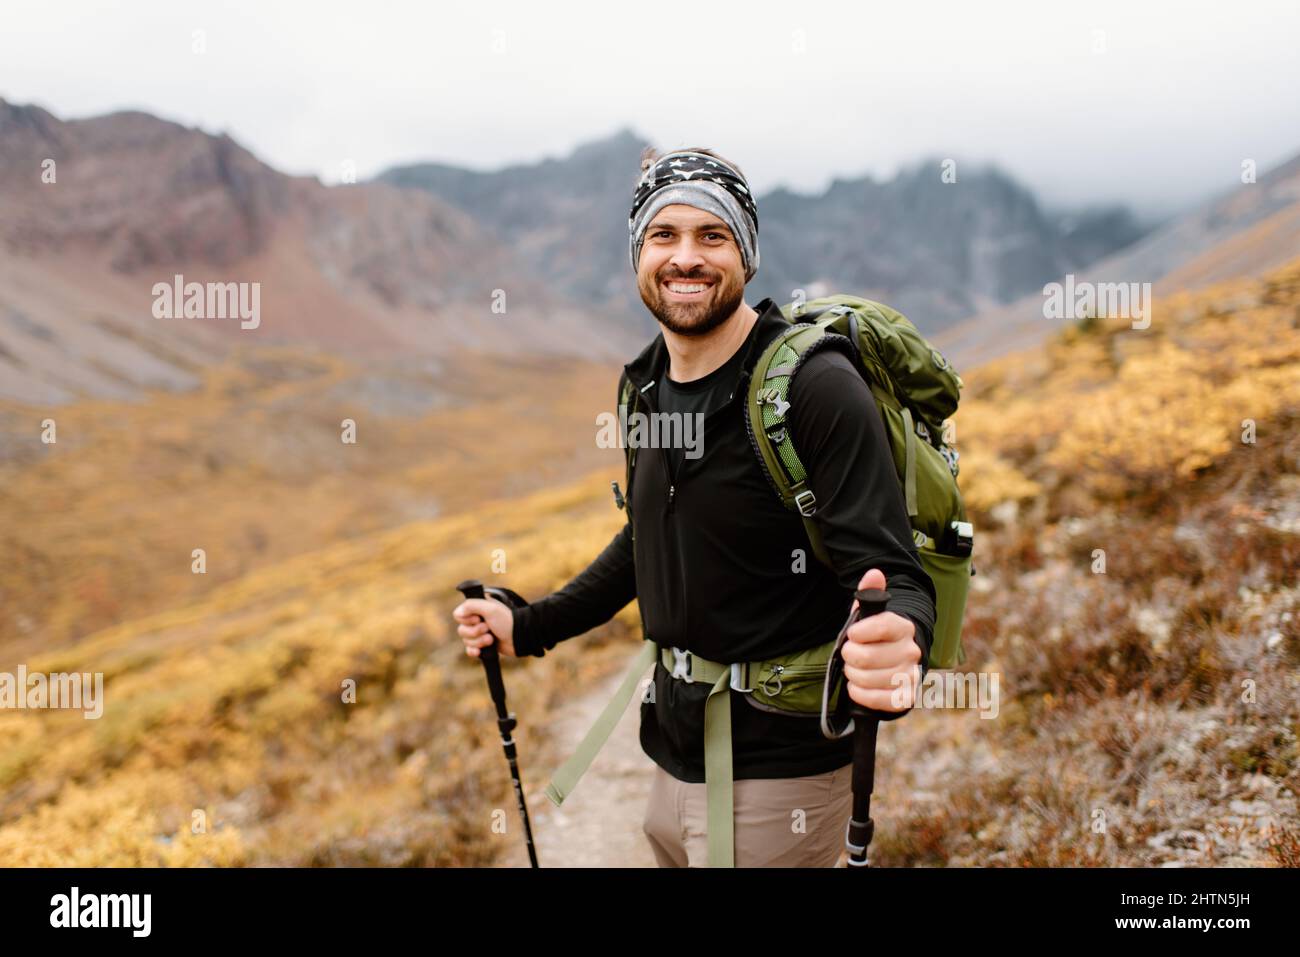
{"x": 720, "y": 569}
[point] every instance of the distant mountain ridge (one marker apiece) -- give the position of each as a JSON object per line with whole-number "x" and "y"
{"x": 406, "y": 267}
{"x": 938, "y": 251}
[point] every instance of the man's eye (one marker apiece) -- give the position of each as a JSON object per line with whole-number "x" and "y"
{"x": 665, "y": 232}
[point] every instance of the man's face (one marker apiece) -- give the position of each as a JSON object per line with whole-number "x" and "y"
{"x": 690, "y": 275}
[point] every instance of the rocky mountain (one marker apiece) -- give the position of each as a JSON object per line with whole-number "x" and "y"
{"x": 938, "y": 251}
{"x": 95, "y": 212}
{"x": 566, "y": 217}
{"x": 1244, "y": 232}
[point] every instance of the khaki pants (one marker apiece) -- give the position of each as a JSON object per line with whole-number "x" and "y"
{"x": 780, "y": 822}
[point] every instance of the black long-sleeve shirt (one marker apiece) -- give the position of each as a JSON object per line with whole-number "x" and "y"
{"x": 721, "y": 568}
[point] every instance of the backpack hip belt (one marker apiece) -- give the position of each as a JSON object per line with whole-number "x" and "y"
{"x": 798, "y": 674}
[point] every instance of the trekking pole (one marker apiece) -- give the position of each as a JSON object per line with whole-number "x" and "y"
{"x": 866, "y": 722}
{"x": 472, "y": 588}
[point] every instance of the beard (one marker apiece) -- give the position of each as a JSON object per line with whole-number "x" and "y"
{"x": 698, "y": 318}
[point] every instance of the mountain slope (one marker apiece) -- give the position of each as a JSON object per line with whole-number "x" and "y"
{"x": 1246, "y": 232}
{"x": 366, "y": 270}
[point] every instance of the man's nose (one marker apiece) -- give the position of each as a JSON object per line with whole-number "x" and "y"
{"x": 687, "y": 255}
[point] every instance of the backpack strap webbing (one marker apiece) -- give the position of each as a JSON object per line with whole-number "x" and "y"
{"x": 566, "y": 778}
{"x": 626, "y": 402}
{"x": 909, "y": 462}
{"x": 718, "y": 774}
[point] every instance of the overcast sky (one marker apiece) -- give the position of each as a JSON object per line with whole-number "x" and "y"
{"x": 1153, "y": 104}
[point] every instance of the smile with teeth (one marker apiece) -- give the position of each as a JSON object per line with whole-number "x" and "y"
{"x": 687, "y": 288}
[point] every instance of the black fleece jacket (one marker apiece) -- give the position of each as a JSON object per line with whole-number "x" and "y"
{"x": 721, "y": 568}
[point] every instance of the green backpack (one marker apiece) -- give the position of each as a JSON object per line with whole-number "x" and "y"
{"x": 916, "y": 390}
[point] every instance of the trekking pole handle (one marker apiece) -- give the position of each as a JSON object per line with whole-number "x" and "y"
{"x": 473, "y": 588}
{"x": 871, "y": 601}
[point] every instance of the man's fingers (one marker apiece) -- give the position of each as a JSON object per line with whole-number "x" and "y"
{"x": 467, "y": 611}
{"x": 870, "y": 657}
{"x": 872, "y": 677}
{"x": 474, "y": 627}
{"x": 884, "y": 627}
{"x": 476, "y": 633}
{"x": 879, "y": 654}
{"x": 879, "y": 699}
{"x": 872, "y": 578}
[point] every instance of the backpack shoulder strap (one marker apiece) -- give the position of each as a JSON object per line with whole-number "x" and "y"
{"x": 626, "y": 405}
{"x": 766, "y": 409}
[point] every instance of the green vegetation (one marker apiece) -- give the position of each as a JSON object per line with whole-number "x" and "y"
{"x": 1150, "y": 713}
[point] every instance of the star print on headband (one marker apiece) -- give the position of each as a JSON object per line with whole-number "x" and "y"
{"x": 687, "y": 167}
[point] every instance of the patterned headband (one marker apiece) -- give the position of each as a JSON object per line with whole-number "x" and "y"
{"x": 700, "y": 180}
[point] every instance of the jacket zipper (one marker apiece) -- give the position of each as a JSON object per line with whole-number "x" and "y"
{"x": 644, "y": 397}
{"x": 640, "y": 395}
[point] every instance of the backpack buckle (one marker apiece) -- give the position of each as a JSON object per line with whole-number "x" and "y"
{"x": 806, "y": 502}
{"x": 682, "y": 665}
{"x": 735, "y": 677}
{"x": 770, "y": 396}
